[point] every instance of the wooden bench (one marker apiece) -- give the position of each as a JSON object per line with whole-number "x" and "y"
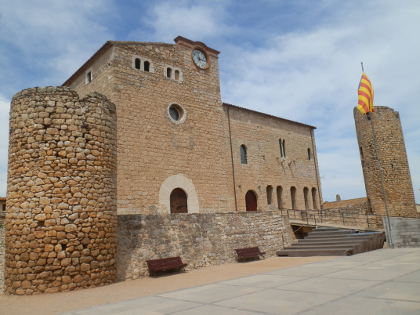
{"x": 249, "y": 253}
{"x": 165, "y": 264}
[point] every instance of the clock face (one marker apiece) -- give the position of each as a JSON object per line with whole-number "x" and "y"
{"x": 200, "y": 59}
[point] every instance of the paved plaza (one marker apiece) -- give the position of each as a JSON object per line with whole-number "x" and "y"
{"x": 385, "y": 281}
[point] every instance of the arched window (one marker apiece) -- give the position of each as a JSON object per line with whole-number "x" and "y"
{"x": 146, "y": 66}
{"x": 177, "y": 75}
{"x": 178, "y": 201}
{"x": 293, "y": 196}
{"x": 306, "y": 197}
{"x": 244, "y": 155}
{"x": 314, "y": 199}
{"x": 168, "y": 72}
{"x": 309, "y": 153}
{"x": 269, "y": 194}
{"x": 251, "y": 201}
{"x": 279, "y": 197}
{"x": 137, "y": 63}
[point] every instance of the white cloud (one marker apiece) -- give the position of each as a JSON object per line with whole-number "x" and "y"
{"x": 56, "y": 36}
{"x": 192, "y": 19}
{"x": 47, "y": 40}
{"x": 312, "y": 76}
{"x": 4, "y": 133}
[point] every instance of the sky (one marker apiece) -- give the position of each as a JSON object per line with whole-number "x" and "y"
{"x": 298, "y": 59}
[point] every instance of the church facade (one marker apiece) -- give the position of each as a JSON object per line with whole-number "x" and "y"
{"x": 181, "y": 149}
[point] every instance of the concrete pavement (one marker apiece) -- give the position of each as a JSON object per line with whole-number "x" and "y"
{"x": 385, "y": 281}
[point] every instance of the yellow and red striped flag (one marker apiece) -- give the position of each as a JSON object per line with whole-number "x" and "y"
{"x": 365, "y": 92}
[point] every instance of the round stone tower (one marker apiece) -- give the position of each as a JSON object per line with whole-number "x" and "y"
{"x": 384, "y": 162}
{"x": 61, "y": 192}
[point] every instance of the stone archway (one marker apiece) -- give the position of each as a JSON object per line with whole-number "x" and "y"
{"x": 185, "y": 184}
{"x": 178, "y": 201}
{"x": 251, "y": 201}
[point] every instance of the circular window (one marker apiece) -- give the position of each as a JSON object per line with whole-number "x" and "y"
{"x": 176, "y": 113}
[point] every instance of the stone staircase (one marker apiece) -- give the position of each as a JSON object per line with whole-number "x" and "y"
{"x": 327, "y": 241}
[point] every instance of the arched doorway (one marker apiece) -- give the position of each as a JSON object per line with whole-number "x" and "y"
{"x": 178, "y": 201}
{"x": 251, "y": 201}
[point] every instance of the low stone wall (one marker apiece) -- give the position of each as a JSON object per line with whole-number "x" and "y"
{"x": 405, "y": 232}
{"x": 200, "y": 239}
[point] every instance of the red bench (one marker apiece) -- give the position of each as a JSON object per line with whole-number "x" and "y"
{"x": 165, "y": 264}
{"x": 249, "y": 253}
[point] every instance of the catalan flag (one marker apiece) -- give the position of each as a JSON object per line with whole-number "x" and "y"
{"x": 365, "y": 91}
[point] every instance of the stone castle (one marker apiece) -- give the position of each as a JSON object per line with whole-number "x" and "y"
{"x": 136, "y": 157}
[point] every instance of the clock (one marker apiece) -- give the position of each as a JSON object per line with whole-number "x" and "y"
{"x": 200, "y": 59}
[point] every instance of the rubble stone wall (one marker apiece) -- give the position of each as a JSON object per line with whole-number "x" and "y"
{"x": 384, "y": 162}
{"x": 61, "y": 194}
{"x": 200, "y": 239}
{"x": 1, "y": 254}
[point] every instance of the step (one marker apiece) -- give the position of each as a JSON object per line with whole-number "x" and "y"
{"x": 328, "y": 242}
{"x": 331, "y": 233}
{"x": 336, "y": 245}
{"x": 315, "y": 252}
{"x": 341, "y": 237}
{"x": 299, "y": 246}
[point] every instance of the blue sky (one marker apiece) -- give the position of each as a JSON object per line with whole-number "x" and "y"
{"x": 296, "y": 59}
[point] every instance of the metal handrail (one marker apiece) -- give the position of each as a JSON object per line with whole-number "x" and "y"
{"x": 316, "y": 216}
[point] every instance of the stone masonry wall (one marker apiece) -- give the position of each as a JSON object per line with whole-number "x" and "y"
{"x": 1, "y": 254}
{"x": 200, "y": 239}
{"x": 260, "y": 134}
{"x": 152, "y": 147}
{"x": 61, "y": 206}
{"x": 391, "y": 153}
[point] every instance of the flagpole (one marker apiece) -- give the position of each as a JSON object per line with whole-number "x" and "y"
{"x": 361, "y": 63}
{"x": 381, "y": 176}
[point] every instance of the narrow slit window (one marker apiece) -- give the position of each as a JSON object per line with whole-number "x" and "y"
{"x": 89, "y": 77}
{"x": 177, "y": 75}
{"x": 284, "y": 148}
{"x": 309, "y": 153}
{"x": 146, "y": 66}
{"x": 243, "y": 153}
{"x": 168, "y": 72}
{"x": 137, "y": 63}
{"x": 281, "y": 147}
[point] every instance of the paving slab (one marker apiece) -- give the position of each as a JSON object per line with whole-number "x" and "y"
{"x": 209, "y": 293}
{"x": 264, "y": 281}
{"x": 147, "y": 305}
{"x": 329, "y": 285}
{"x": 274, "y": 301}
{"x": 405, "y": 291}
{"x": 411, "y": 277}
{"x": 365, "y": 306}
{"x": 213, "y": 309}
{"x": 384, "y": 281}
